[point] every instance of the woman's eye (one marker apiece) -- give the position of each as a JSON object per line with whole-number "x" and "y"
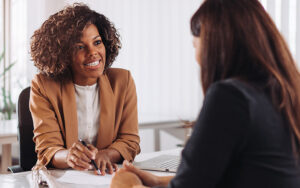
{"x": 98, "y": 42}
{"x": 79, "y": 47}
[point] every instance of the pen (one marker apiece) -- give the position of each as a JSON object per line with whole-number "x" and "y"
{"x": 93, "y": 162}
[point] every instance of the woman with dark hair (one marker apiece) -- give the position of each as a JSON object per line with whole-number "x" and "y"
{"x": 77, "y": 95}
{"x": 248, "y": 131}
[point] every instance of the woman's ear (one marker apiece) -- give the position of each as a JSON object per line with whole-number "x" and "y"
{"x": 197, "y": 46}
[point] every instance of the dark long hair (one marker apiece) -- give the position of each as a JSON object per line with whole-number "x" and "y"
{"x": 240, "y": 40}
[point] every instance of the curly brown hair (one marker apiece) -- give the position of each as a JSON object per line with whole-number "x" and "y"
{"x": 53, "y": 45}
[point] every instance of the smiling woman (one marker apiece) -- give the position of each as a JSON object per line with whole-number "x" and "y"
{"x": 89, "y": 57}
{"x": 77, "y": 95}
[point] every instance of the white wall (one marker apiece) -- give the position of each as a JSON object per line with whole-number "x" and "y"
{"x": 1, "y": 26}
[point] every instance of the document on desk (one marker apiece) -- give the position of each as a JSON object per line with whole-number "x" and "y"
{"x": 80, "y": 177}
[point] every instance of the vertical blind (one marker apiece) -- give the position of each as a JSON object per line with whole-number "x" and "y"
{"x": 286, "y": 14}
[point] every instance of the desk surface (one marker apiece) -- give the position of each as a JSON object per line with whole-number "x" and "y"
{"x": 22, "y": 180}
{"x": 8, "y": 136}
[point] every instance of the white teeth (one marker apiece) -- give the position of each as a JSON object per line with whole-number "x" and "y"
{"x": 93, "y": 64}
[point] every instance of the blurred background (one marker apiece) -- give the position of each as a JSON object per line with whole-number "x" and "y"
{"x": 156, "y": 48}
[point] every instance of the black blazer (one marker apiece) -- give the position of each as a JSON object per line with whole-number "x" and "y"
{"x": 239, "y": 141}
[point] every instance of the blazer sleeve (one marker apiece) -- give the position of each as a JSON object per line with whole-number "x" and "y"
{"x": 127, "y": 141}
{"x": 47, "y": 134}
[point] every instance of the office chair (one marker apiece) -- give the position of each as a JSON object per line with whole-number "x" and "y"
{"x": 28, "y": 157}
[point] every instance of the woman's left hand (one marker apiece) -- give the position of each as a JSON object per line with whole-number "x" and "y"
{"x": 104, "y": 162}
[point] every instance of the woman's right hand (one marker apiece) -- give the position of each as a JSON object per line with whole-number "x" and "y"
{"x": 79, "y": 157}
{"x": 147, "y": 178}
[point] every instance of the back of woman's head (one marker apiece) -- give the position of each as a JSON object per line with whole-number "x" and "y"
{"x": 240, "y": 40}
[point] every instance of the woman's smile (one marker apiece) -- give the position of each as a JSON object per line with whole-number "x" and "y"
{"x": 94, "y": 65}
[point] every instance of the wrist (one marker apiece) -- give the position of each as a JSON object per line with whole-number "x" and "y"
{"x": 163, "y": 180}
{"x": 158, "y": 181}
{"x": 113, "y": 155}
{"x": 59, "y": 160}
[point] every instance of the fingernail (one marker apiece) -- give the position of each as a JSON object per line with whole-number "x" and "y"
{"x": 90, "y": 166}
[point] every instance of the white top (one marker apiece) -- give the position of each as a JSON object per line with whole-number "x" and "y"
{"x": 88, "y": 112}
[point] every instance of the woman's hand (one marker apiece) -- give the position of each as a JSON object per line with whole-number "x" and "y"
{"x": 104, "y": 162}
{"x": 79, "y": 156}
{"x": 147, "y": 178}
{"x": 125, "y": 179}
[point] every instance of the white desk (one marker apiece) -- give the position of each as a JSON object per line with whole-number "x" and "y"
{"x": 8, "y": 136}
{"x": 20, "y": 180}
{"x": 158, "y": 123}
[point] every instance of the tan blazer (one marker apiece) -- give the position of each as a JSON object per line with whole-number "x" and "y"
{"x": 53, "y": 108}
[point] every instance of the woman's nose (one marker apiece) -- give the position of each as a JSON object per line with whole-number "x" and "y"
{"x": 92, "y": 51}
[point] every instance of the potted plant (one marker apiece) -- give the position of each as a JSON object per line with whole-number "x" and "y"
{"x": 7, "y": 108}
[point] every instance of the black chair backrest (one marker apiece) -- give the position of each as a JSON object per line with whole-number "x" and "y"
{"x": 28, "y": 156}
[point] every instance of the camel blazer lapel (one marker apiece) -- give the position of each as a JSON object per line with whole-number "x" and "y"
{"x": 70, "y": 113}
{"x": 107, "y": 113}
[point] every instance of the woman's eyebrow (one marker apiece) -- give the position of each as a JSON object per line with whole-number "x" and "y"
{"x": 98, "y": 36}
{"x": 81, "y": 42}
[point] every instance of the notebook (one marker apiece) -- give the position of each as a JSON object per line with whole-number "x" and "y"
{"x": 164, "y": 163}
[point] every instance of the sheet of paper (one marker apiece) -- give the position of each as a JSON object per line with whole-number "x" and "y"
{"x": 80, "y": 177}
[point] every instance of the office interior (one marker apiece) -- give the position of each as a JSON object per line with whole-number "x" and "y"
{"x": 156, "y": 48}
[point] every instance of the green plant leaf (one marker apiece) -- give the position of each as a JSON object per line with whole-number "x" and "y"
{"x": 8, "y": 107}
{"x": 2, "y": 55}
{"x": 7, "y": 69}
